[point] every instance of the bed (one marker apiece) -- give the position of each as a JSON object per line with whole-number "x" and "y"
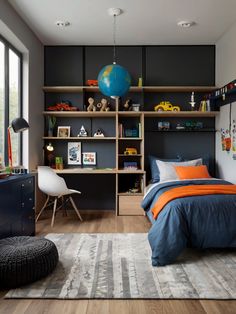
{"x": 198, "y": 221}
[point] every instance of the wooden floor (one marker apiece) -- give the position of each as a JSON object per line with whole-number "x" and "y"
{"x": 108, "y": 222}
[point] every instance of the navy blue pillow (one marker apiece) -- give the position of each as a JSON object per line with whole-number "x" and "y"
{"x": 155, "y": 173}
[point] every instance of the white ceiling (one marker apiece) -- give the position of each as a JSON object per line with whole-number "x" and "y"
{"x": 143, "y": 22}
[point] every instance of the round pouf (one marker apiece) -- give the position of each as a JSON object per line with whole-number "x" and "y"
{"x": 26, "y": 259}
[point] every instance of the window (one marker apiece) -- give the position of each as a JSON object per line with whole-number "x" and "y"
{"x": 10, "y": 98}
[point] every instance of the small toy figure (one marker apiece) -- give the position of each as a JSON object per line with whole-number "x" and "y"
{"x": 166, "y": 106}
{"x": 83, "y": 132}
{"x": 103, "y": 105}
{"x": 98, "y": 133}
{"x": 192, "y": 102}
{"x": 91, "y": 106}
{"x": 128, "y": 105}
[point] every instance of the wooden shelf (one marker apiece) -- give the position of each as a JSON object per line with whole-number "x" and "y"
{"x": 180, "y": 131}
{"x": 86, "y": 171}
{"x": 130, "y": 194}
{"x": 130, "y": 171}
{"x": 63, "y": 89}
{"x": 133, "y": 89}
{"x": 181, "y": 114}
{"x": 81, "y": 114}
{"x": 130, "y": 138}
{"x": 179, "y": 89}
{"x": 134, "y": 155}
{"x": 112, "y": 114}
{"x": 80, "y": 138}
{"x": 79, "y": 89}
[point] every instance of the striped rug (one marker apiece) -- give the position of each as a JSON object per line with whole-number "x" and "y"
{"x": 118, "y": 265}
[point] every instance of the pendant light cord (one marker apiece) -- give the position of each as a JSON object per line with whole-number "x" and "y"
{"x": 114, "y": 39}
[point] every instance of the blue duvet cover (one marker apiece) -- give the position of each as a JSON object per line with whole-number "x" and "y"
{"x": 205, "y": 221}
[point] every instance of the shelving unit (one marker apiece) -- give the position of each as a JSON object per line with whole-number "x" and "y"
{"x": 65, "y": 79}
{"x": 127, "y": 201}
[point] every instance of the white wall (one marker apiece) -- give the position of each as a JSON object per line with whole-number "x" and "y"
{"x": 225, "y": 163}
{"x": 226, "y": 57}
{"x": 16, "y": 31}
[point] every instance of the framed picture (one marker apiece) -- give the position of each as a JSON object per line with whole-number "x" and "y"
{"x": 74, "y": 153}
{"x": 63, "y": 131}
{"x": 89, "y": 158}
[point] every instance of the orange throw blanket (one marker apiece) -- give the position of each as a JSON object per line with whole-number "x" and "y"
{"x": 190, "y": 190}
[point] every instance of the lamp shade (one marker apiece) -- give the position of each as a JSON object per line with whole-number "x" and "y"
{"x": 114, "y": 80}
{"x": 19, "y": 125}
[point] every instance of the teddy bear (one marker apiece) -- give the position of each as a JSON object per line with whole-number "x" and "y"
{"x": 127, "y": 105}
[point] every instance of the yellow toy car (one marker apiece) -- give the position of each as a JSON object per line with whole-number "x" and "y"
{"x": 166, "y": 106}
{"x": 130, "y": 151}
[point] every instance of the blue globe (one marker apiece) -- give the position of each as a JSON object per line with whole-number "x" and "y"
{"x": 114, "y": 80}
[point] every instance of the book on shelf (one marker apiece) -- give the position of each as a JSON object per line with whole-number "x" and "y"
{"x": 140, "y": 129}
{"x": 120, "y": 130}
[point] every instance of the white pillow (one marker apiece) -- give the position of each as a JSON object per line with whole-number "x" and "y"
{"x": 167, "y": 169}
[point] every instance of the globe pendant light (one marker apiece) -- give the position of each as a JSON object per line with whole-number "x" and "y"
{"x": 114, "y": 80}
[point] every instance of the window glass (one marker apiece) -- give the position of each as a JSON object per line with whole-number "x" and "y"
{"x": 2, "y": 112}
{"x": 14, "y": 102}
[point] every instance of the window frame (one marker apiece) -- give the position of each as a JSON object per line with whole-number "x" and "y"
{"x": 7, "y": 47}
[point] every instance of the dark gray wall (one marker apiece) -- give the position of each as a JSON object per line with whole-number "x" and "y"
{"x": 157, "y": 65}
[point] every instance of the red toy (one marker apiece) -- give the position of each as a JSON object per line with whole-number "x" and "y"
{"x": 92, "y": 82}
{"x": 62, "y": 107}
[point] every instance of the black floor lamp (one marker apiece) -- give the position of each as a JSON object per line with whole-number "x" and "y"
{"x": 18, "y": 125}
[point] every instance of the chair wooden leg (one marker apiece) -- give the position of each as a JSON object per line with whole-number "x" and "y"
{"x": 75, "y": 208}
{"x": 42, "y": 209}
{"x": 54, "y": 211}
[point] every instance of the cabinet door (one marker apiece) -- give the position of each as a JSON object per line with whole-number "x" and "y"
{"x": 9, "y": 209}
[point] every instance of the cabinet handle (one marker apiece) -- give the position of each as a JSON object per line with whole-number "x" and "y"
{"x": 30, "y": 181}
{"x": 22, "y": 185}
{"x": 30, "y": 199}
{"x": 22, "y": 204}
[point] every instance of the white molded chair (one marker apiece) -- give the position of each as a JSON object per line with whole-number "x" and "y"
{"x": 54, "y": 186}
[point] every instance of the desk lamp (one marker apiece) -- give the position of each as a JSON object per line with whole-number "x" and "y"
{"x": 18, "y": 125}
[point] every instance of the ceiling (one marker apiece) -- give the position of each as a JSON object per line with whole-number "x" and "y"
{"x": 147, "y": 22}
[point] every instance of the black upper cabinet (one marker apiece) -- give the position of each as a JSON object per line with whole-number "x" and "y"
{"x": 63, "y": 65}
{"x": 180, "y": 65}
{"x": 128, "y": 56}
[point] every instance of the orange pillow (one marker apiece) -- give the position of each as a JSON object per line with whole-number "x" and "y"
{"x": 192, "y": 172}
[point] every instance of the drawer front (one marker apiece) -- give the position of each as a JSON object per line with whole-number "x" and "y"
{"x": 130, "y": 205}
{"x": 27, "y": 185}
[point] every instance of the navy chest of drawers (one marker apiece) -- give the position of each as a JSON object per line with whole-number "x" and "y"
{"x": 17, "y": 206}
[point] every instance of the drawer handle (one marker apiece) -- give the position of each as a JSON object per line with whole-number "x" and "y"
{"x": 30, "y": 199}
{"x": 22, "y": 185}
{"x": 23, "y": 204}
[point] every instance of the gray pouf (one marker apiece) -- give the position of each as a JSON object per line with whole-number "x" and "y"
{"x": 26, "y": 259}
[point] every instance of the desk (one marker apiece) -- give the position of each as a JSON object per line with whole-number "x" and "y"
{"x": 103, "y": 190}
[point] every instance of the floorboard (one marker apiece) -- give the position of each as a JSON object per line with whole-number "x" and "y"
{"x": 104, "y": 222}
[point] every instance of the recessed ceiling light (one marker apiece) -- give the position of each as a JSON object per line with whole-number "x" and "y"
{"x": 186, "y": 24}
{"x": 114, "y": 11}
{"x": 62, "y": 23}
